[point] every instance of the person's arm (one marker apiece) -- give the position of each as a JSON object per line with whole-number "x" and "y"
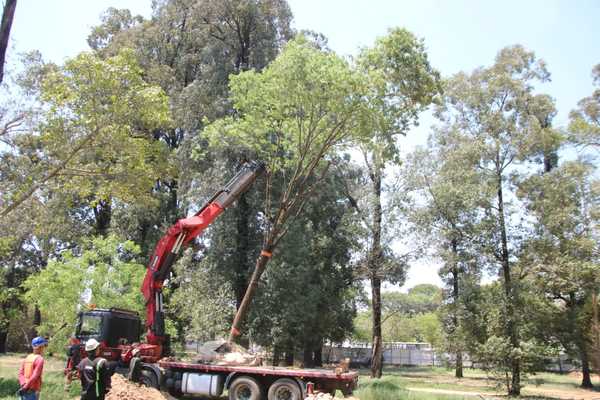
{"x": 22, "y": 380}
{"x": 38, "y": 367}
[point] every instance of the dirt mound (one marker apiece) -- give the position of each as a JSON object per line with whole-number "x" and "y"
{"x": 122, "y": 389}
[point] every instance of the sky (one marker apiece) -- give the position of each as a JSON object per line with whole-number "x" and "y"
{"x": 460, "y": 35}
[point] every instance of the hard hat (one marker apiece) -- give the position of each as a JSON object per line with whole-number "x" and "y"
{"x": 91, "y": 345}
{"x": 38, "y": 341}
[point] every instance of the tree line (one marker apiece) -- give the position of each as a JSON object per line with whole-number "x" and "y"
{"x": 100, "y": 154}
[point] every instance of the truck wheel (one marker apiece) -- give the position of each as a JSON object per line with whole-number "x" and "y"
{"x": 285, "y": 389}
{"x": 149, "y": 378}
{"x": 245, "y": 388}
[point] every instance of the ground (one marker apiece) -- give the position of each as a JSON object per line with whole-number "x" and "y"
{"x": 397, "y": 384}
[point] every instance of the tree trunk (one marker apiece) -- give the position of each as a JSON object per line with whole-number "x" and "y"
{"x": 307, "y": 356}
{"x": 374, "y": 263}
{"x": 318, "y": 352}
{"x": 37, "y": 320}
{"x": 459, "y": 365}
{"x": 456, "y": 298}
{"x": 289, "y": 358}
{"x": 509, "y": 291}
{"x": 377, "y": 354}
{"x": 586, "y": 380}
{"x": 8, "y": 15}
{"x": 261, "y": 263}
{"x": 276, "y": 356}
{"x": 3, "y": 338}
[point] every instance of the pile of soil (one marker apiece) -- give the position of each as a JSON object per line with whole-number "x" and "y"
{"x": 122, "y": 389}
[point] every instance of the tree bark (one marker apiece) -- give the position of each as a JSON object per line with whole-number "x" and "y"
{"x": 586, "y": 380}
{"x": 8, "y": 15}
{"x": 3, "y": 338}
{"x": 276, "y": 356}
{"x": 261, "y": 264}
{"x": 509, "y": 291}
{"x": 289, "y": 358}
{"x": 374, "y": 261}
{"x": 456, "y": 298}
{"x": 318, "y": 352}
{"x": 307, "y": 356}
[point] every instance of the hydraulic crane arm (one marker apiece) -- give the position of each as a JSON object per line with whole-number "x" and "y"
{"x": 180, "y": 234}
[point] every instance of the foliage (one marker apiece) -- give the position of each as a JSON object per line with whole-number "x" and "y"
{"x": 502, "y": 122}
{"x": 105, "y": 273}
{"x": 95, "y": 135}
{"x": 584, "y": 127}
{"x": 309, "y": 290}
{"x": 202, "y": 299}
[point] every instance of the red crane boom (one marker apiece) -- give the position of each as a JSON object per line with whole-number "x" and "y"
{"x": 177, "y": 236}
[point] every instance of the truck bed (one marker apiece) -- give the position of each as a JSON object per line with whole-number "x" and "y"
{"x": 317, "y": 373}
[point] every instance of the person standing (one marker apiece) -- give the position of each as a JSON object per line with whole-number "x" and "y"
{"x": 94, "y": 373}
{"x": 30, "y": 373}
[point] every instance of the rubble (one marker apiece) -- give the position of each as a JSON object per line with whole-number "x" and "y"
{"x": 320, "y": 396}
{"x": 221, "y": 352}
{"x": 122, "y": 389}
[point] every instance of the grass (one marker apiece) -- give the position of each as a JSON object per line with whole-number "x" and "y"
{"x": 394, "y": 385}
{"x": 53, "y": 379}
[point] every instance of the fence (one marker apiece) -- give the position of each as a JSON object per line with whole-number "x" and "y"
{"x": 418, "y": 355}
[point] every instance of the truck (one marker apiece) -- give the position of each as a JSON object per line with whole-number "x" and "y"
{"x": 150, "y": 361}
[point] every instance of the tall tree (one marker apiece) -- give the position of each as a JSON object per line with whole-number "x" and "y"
{"x": 446, "y": 193}
{"x": 293, "y": 125}
{"x": 491, "y": 108}
{"x": 563, "y": 250}
{"x": 401, "y": 83}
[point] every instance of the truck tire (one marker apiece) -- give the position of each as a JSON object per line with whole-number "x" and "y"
{"x": 149, "y": 378}
{"x": 284, "y": 389}
{"x": 245, "y": 388}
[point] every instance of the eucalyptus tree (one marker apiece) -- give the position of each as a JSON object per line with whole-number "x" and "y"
{"x": 584, "y": 127}
{"x": 400, "y": 84}
{"x": 446, "y": 190}
{"x": 563, "y": 251}
{"x": 492, "y": 108}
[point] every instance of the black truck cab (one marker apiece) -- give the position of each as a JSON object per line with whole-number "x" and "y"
{"x": 112, "y": 327}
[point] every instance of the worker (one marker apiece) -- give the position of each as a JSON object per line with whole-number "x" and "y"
{"x": 94, "y": 373}
{"x": 30, "y": 373}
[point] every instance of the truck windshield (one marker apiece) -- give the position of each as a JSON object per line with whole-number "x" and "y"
{"x": 90, "y": 325}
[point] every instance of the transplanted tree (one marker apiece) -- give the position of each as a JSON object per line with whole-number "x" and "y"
{"x": 563, "y": 250}
{"x": 400, "y": 84}
{"x": 491, "y": 107}
{"x": 292, "y": 116}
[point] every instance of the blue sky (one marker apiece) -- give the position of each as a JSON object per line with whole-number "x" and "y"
{"x": 459, "y": 35}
